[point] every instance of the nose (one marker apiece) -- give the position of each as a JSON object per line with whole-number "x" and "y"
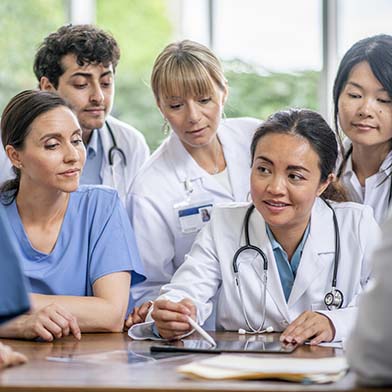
{"x": 366, "y": 108}
{"x": 276, "y": 185}
{"x": 71, "y": 153}
{"x": 193, "y": 113}
{"x": 96, "y": 95}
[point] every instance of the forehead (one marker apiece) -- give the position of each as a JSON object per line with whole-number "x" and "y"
{"x": 71, "y": 67}
{"x": 362, "y": 74}
{"x": 59, "y": 120}
{"x": 286, "y": 150}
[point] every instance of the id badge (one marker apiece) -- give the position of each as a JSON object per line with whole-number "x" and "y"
{"x": 193, "y": 214}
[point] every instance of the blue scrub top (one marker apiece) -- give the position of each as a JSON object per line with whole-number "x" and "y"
{"x": 13, "y": 294}
{"x": 96, "y": 239}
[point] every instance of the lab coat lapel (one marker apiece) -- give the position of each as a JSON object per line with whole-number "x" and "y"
{"x": 114, "y": 175}
{"x": 189, "y": 169}
{"x": 259, "y": 238}
{"x": 321, "y": 240}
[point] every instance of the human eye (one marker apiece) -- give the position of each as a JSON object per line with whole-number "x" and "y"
{"x": 262, "y": 169}
{"x": 384, "y": 100}
{"x": 296, "y": 177}
{"x": 51, "y": 144}
{"x": 175, "y": 106}
{"x": 354, "y": 95}
{"x": 106, "y": 83}
{"x": 205, "y": 100}
{"x": 77, "y": 141}
{"x": 80, "y": 86}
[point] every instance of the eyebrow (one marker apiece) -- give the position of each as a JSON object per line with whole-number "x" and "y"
{"x": 361, "y": 87}
{"x": 290, "y": 167}
{"x": 59, "y": 135}
{"x": 89, "y": 75}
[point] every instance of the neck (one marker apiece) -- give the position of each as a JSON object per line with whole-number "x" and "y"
{"x": 289, "y": 238}
{"x": 41, "y": 207}
{"x": 210, "y": 156}
{"x": 86, "y": 135}
{"x": 366, "y": 160}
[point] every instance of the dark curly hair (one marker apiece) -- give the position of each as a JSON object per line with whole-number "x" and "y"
{"x": 87, "y": 42}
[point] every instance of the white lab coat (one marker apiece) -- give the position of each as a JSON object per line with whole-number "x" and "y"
{"x": 160, "y": 184}
{"x": 135, "y": 148}
{"x": 377, "y": 187}
{"x": 369, "y": 349}
{"x": 209, "y": 268}
{"x": 118, "y": 176}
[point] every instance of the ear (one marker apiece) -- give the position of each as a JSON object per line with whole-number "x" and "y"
{"x": 14, "y": 156}
{"x": 324, "y": 185}
{"x": 46, "y": 85}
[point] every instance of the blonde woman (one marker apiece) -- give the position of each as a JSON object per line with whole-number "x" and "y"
{"x": 204, "y": 161}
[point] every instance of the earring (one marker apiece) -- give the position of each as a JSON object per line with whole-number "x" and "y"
{"x": 165, "y": 127}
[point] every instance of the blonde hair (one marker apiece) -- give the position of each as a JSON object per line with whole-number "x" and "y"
{"x": 186, "y": 68}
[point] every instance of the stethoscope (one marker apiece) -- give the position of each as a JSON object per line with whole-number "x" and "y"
{"x": 341, "y": 167}
{"x": 114, "y": 148}
{"x": 333, "y": 299}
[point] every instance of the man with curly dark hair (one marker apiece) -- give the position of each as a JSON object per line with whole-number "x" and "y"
{"x": 78, "y": 62}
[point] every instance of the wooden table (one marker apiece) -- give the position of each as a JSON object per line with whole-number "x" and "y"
{"x": 113, "y": 362}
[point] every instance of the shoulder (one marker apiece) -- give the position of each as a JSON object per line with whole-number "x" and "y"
{"x": 92, "y": 196}
{"x": 122, "y": 129}
{"x": 230, "y": 211}
{"x": 157, "y": 165}
{"x": 354, "y": 219}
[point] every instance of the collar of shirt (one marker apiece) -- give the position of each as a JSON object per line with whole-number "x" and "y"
{"x": 91, "y": 173}
{"x": 287, "y": 270}
{"x": 92, "y": 146}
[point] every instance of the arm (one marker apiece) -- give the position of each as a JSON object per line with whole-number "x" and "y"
{"x": 55, "y": 316}
{"x": 202, "y": 268}
{"x": 327, "y": 325}
{"x": 104, "y": 312}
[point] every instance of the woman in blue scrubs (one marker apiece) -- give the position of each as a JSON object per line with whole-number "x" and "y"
{"x": 76, "y": 243}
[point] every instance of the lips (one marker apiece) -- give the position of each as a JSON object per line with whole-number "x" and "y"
{"x": 275, "y": 206}
{"x": 70, "y": 172}
{"x": 197, "y": 130}
{"x": 274, "y": 203}
{"x": 364, "y": 126}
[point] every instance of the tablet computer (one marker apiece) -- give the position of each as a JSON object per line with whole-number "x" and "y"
{"x": 250, "y": 345}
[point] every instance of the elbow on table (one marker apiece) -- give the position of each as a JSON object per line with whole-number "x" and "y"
{"x": 115, "y": 322}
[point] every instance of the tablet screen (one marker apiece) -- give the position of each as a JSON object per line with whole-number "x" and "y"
{"x": 253, "y": 344}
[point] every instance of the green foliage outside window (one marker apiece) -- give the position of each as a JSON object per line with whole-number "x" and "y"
{"x": 142, "y": 28}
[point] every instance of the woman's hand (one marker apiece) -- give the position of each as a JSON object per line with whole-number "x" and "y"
{"x": 49, "y": 323}
{"x": 138, "y": 315}
{"x": 171, "y": 317}
{"x": 8, "y": 357}
{"x": 309, "y": 325}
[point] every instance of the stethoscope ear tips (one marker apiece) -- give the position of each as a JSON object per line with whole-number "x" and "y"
{"x": 241, "y": 331}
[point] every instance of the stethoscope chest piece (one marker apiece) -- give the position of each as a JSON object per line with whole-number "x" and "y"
{"x": 334, "y": 299}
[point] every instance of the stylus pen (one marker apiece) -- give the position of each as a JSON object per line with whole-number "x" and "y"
{"x": 201, "y": 331}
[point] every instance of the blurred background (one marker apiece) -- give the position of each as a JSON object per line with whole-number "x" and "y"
{"x": 276, "y": 54}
